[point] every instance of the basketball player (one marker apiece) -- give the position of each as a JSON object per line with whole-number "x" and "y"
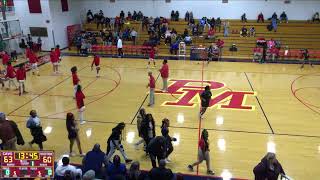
{"x": 96, "y": 62}
{"x": 21, "y": 77}
{"x": 58, "y": 53}
{"x": 205, "y": 100}
{"x": 305, "y": 56}
{"x": 5, "y": 59}
{"x": 11, "y": 75}
{"x": 164, "y": 71}
{"x": 54, "y": 60}
{"x": 33, "y": 60}
{"x": 114, "y": 142}
{"x": 80, "y": 103}
{"x": 203, "y": 152}
{"x": 152, "y": 86}
{"x": 75, "y": 80}
{"x": 151, "y": 57}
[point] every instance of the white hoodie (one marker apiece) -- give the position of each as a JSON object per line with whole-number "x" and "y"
{"x": 62, "y": 169}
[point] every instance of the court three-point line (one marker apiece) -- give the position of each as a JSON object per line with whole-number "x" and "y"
{"x": 260, "y": 104}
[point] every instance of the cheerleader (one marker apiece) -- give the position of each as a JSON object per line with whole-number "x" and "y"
{"x": 165, "y": 133}
{"x": 54, "y": 60}
{"x": 96, "y": 62}
{"x": 114, "y": 142}
{"x": 11, "y": 75}
{"x": 33, "y": 60}
{"x": 203, "y": 152}
{"x": 21, "y": 77}
{"x": 80, "y": 104}
{"x": 75, "y": 80}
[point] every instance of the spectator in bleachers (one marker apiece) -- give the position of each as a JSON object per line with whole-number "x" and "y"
{"x": 94, "y": 160}
{"x": 218, "y": 24}
{"x": 172, "y": 15}
{"x": 283, "y": 17}
{"x": 188, "y": 40}
{"x": 163, "y": 30}
{"x": 7, "y": 134}
{"x": 202, "y": 24}
{"x": 30, "y": 42}
{"x": 274, "y": 24}
{"x": 167, "y": 37}
{"x": 252, "y": 32}
{"x": 185, "y": 33}
{"x": 116, "y": 168}
{"x": 271, "y": 43}
{"x": 139, "y": 16}
{"x": 112, "y": 23}
{"x": 274, "y": 16}
{"x": 156, "y": 23}
{"x": 100, "y": 19}
{"x": 135, "y": 173}
{"x": 315, "y": 17}
{"x": 196, "y": 30}
{"x": 260, "y": 18}
{"x": 61, "y": 169}
{"x": 89, "y": 16}
{"x": 243, "y": 17}
{"x": 187, "y": 16}
{"x": 211, "y": 34}
{"x": 243, "y": 32}
{"x": 129, "y": 18}
{"x": 274, "y": 53}
{"x": 220, "y": 45}
{"x": 269, "y": 168}
{"x": 257, "y": 54}
{"x": 145, "y": 23}
{"x": 226, "y": 29}
{"x": 161, "y": 172}
{"x": 107, "y": 22}
{"x": 133, "y": 35}
{"x": 212, "y": 22}
{"x": 174, "y": 48}
{"x": 73, "y": 134}
{"x": 134, "y": 15}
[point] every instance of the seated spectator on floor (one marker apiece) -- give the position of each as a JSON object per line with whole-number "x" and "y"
{"x": 244, "y": 32}
{"x": 243, "y": 18}
{"x": 260, "y": 18}
{"x": 174, "y": 48}
{"x": 315, "y": 17}
{"x": 116, "y": 168}
{"x": 252, "y": 32}
{"x": 161, "y": 172}
{"x": 211, "y": 34}
{"x": 135, "y": 173}
{"x": 61, "y": 169}
{"x": 94, "y": 160}
{"x": 89, "y": 16}
{"x": 283, "y": 17}
{"x": 257, "y": 54}
{"x": 188, "y": 40}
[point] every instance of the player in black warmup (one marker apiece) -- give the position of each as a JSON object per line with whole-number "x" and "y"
{"x": 305, "y": 56}
{"x": 205, "y": 100}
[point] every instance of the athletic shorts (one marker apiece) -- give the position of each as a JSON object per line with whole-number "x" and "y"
{"x": 55, "y": 63}
{"x": 21, "y": 81}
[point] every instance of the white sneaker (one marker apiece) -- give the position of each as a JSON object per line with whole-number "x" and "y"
{"x": 82, "y": 154}
{"x": 82, "y": 122}
{"x": 72, "y": 154}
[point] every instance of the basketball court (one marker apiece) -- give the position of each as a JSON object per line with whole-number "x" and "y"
{"x": 256, "y": 108}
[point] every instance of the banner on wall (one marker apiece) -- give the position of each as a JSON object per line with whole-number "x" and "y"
{"x": 71, "y": 32}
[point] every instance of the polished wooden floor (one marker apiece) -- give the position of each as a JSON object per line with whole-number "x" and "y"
{"x": 285, "y": 117}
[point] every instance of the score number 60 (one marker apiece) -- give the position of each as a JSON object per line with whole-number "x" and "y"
{"x": 46, "y": 159}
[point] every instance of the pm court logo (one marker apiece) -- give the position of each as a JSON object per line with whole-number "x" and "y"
{"x": 187, "y": 94}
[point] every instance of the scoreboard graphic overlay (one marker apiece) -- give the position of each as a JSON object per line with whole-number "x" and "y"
{"x": 27, "y": 164}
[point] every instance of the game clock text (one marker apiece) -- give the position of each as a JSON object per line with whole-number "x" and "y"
{"x": 27, "y": 164}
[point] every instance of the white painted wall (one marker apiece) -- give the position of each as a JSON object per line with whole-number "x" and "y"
{"x": 297, "y": 10}
{"x": 60, "y": 20}
{"x": 34, "y": 20}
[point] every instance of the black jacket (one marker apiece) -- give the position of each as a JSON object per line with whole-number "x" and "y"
{"x": 262, "y": 172}
{"x": 157, "y": 146}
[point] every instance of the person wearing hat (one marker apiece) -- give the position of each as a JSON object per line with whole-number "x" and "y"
{"x": 7, "y": 134}
{"x": 157, "y": 149}
{"x": 203, "y": 152}
{"x": 114, "y": 142}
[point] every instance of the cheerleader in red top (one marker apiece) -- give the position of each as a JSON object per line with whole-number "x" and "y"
{"x": 80, "y": 103}
{"x": 151, "y": 57}
{"x": 58, "y": 53}
{"x": 96, "y": 62}
{"x": 203, "y": 152}
{"x": 11, "y": 75}
{"x": 75, "y": 79}
{"x": 33, "y": 60}
{"x": 5, "y": 59}
{"x": 21, "y": 77}
{"x": 54, "y": 60}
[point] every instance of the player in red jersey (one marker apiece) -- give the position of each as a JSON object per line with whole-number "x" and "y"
{"x": 54, "y": 60}
{"x": 75, "y": 79}
{"x": 58, "y": 53}
{"x": 80, "y": 104}
{"x": 21, "y": 77}
{"x": 5, "y": 59}
{"x": 96, "y": 62}
{"x": 11, "y": 75}
{"x": 28, "y": 51}
{"x": 151, "y": 57}
{"x": 33, "y": 60}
